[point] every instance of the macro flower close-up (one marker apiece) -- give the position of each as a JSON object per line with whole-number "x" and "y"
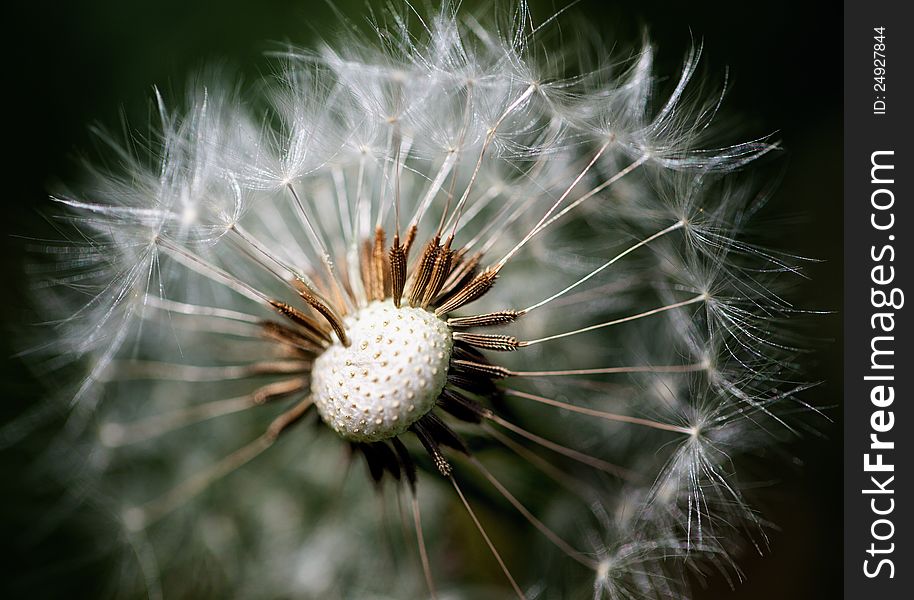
{"x": 453, "y": 303}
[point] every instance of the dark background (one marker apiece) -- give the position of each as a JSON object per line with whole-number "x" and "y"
{"x": 73, "y": 63}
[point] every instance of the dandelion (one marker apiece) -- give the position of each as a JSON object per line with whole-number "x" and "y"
{"x": 514, "y": 286}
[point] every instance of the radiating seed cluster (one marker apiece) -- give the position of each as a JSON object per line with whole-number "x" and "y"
{"x": 514, "y": 274}
{"x": 388, "y": 377}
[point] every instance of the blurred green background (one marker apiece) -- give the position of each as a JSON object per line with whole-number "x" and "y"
{"x": 73, "y": 63}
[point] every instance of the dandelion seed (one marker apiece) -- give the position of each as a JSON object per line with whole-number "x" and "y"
{"x": 430, "y": 246}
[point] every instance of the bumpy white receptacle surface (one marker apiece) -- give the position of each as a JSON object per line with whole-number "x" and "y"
{"x": 389, "y": 376}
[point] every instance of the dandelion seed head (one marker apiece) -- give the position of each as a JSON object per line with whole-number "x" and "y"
{"x": 388, "y": 377}
{"x": 436, "y": 250}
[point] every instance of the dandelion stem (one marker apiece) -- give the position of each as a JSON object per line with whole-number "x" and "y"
{"x": 546, "y": 531}
{"x": 358, "y": 220}
{"x": 536, "y": 228}
{"x": 599, "y": 413}
{"x": 434, "y": 187}
{"x": 149, "y": 566}
{"x": 608, "y": 263}
{"x": 469, "y": 214}
{"x": 200, "y": 266}
{"x": 140, "y": 517}
{"x": 613, "y": 370}
{"x": 316, "y": 238}
{"x": 141, "y": 369}
{"x": 423, "y": 552}
{"x": 319, "y": 246}
{"x": 120, "y": 434}
{"x": 573, "y": 485}
{"x": 581, "y": 457}
{"x": 490, "y": 135}
{"x": 262, "y": 250}
{"x": 197, "y": 310}
{"x": 342, "y": 200}
{"x": 397, "y": 191}
{"x": 489, "y": 543}
{"x": 514, "y": 212}
{"x": 647, "y": 313}
{"x": 593, "y": 192}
